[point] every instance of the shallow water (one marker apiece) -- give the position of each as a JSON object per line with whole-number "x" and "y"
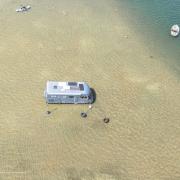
{"x": 84, "y": 41}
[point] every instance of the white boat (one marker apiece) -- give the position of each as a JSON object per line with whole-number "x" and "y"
{"x": 175, "y": 30}
{"x": 23, "y": 8}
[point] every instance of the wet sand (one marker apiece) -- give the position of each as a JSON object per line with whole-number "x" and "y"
{"x": 84, "y": 41}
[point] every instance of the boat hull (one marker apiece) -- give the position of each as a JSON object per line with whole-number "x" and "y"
{"x": 175, "y": 30}
{"x": 23, "y": 8}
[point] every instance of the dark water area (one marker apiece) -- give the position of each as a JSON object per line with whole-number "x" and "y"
{"x": 153, "y": 20}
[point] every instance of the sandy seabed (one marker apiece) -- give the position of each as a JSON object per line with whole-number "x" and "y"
{"x": 84, "y": 41}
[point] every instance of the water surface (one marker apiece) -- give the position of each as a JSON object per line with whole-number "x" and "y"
{"x": 85, "y": 41}
{"x": 153, "y": 20}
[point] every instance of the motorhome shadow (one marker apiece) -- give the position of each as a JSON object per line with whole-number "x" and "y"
{"x": 68, "y": 93}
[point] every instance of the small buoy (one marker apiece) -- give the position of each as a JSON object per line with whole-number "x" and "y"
{"x": 48, "y": 112}
{"x": 106, "y": 120}
{"x": 83, "y": 114}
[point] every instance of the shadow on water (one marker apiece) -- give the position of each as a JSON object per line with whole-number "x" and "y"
{"x": 94, "y": 95}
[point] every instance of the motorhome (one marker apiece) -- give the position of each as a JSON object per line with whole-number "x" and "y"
{"x": 68, "y": 93}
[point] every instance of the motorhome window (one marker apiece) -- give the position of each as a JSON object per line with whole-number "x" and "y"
{"x": 51, "y": 100}
{"x": 55, "y": 87}
{"x": 71, "y": 96}
{"x": 83, "y": 97}
{"x": 81, "y": 87}
{"x": 72, "y": 83}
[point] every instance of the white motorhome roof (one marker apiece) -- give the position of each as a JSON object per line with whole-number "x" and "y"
{"x": 70, "y": 88}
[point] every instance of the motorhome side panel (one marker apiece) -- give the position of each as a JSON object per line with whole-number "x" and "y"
{"x": 68, "y": 92}
{"x": 67, "y": 99}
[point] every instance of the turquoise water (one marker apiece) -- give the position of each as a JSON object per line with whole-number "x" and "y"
{"x": 153, "y": 19}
